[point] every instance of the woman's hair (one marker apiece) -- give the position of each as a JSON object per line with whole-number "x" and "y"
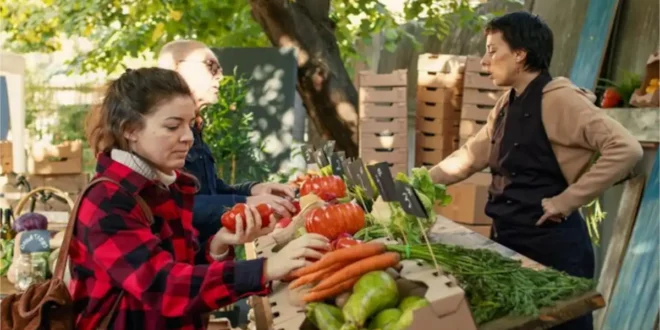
{"x": 522, "y": 30}
{"x": 127, "y": 100}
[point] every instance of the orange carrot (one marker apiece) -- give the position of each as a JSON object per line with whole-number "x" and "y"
{"x": 345, "y": 255}
{"x": 331, "y": 292}
{"x": 359, "y": 268}
{"x": 315, "y": 276}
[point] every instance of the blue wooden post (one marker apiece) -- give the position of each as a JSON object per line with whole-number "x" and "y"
{"x": 635, "y": 300}
{"x": 4, "y": 109}
{"x": 594, "y": 37}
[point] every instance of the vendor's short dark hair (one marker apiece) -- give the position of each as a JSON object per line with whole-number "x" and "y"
{"x": 524, "y": 31}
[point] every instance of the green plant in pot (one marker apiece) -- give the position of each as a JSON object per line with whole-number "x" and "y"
{"x": 229, "y": 133}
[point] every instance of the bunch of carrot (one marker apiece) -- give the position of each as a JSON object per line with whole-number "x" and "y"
{"x": 338, "y": 270}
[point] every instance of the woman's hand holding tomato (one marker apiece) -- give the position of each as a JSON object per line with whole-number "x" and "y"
{"x": 242, "y": 224}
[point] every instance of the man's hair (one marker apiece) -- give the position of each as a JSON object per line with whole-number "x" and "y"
{"x": 524, "y": 31}
{"x": 176, "y": 51}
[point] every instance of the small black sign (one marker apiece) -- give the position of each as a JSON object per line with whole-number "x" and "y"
{"x": 383, "y": 177}
{"x": 409, "y": 200}
{"x": 342, "y": 155}
{"x": 337, "y": 168}
{"x": 329, "y": 147}
{"x": 35, "y": 241}
{"x": 360, "y": 176}
{"x": 320, "y": 158}
{"x": 308, "y": 153}
{"x": 346, "y": 165}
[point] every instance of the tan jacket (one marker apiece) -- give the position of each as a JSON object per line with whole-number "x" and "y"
{"x": 577, "y": 129}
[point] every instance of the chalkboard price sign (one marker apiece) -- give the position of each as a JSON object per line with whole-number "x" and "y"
{"x": 337, "y": 168}
{"x": 329, "y": 147}
{"x": 308, "y": 153}
{"x": 409, "y": 200}
{"x": 321, "y": 159}
{"x": 35, "y": 241}
{"x": 384, "y": 182}
{"x": 360, "y": 176}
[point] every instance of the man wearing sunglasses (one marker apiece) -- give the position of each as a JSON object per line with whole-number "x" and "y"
{"x": 200, "y": 68}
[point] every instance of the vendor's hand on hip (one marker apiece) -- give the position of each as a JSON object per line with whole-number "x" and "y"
{"x": 550, "y": 212}
{"x": 280, "y": 205}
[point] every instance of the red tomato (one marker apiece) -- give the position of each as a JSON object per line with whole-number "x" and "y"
{"x": 296, "y": 204}
{"x": 228, "y": 219}
{"x": 283, "y": 223}
{"x": 326, "y": 187}
{"x": 611, "y": 98}
{"x": 333, "y": 220}
{"x": 345, "y": 240}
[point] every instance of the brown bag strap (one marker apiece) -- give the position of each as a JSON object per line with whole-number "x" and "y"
{"x": 68, "y": 234}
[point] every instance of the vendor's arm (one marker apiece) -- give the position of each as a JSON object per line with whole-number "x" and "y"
{"x": 125, "y": 247}
{"x": 586, "y": 126}
{"x": 242, "y": 189}
{"x": 472, "y": 157}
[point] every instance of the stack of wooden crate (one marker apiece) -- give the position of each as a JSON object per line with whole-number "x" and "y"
{"x": 6, "y": 158}
{"x": 384, "y": 119}
{"x": 439, "y": 90}
{"x": 479, "y": 97}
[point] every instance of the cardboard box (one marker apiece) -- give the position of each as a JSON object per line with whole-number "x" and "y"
{"x": 442, "y": 127}
{"x": 441, "y": 63}
{"x": 486, "y": 97}
{"x": 383, "y": 94}
{"x": 469, "y": 128}
{"x": 384, "y": 110}
{"x": 371, "y": 79}
{"x": 392, "y": 156}
{"x": 469, "y": 200}
{"x": 479, "y": 80}
{"x": 6, "y": 157}
{"x": 448, "y": 309}
{"x": 65, "y": 158}
{"x": 384, "y": 126}
{"x": 483, "y": 230}
{"x": 387, "y": 141}
{"x": 475, "y": 111}
{"x": 442, "y": 111}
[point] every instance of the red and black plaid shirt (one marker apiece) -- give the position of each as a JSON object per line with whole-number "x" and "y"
{"x": 115, "y": 249}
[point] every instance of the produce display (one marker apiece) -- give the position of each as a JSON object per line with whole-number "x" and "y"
{"x": 329, "y": 187}
{"x": 356, "y": 284}
{"x": 228, "y": 219}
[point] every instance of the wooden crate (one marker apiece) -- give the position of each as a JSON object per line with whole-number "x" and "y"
{"x": 439, "y": 95}
{"x": 475, "y": 111}
{"x": 442, "y": 111}
{"x": 469, "y": 128}
{"x": 479, "y": 80}
{"x": 441, "y": 63}
{"x": 473, "y": 64}
{"x": 375, "y": 125}
{"x": 383, "y": 94}
{"x": 451, "y": 81}
{"x": 371, "y": 79}
{"x": 65, "y": 158}
{"x": 442, "y": 127}
{"x": 377, "y": 155}
{"x": 380, "y": 140}
{"x": 430, "y": 157}
{"x": 436, "y": 141}
{"x": 6, "y": 157}
{"x": 484, "y": 97}
{"x": 383, "y": 110}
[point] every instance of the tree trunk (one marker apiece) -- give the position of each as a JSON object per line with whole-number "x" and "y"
{"x": 323, "y": 82}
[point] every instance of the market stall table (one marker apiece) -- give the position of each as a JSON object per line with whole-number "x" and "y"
{"x": 448, "y": 232}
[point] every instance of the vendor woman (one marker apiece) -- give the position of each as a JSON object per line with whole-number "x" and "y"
{"x": 538, "y": 142}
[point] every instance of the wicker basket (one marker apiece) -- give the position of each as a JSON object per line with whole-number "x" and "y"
{"x": 53, "y": 226}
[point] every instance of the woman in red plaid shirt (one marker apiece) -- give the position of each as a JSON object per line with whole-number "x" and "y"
{"x": 142, "y": 133}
